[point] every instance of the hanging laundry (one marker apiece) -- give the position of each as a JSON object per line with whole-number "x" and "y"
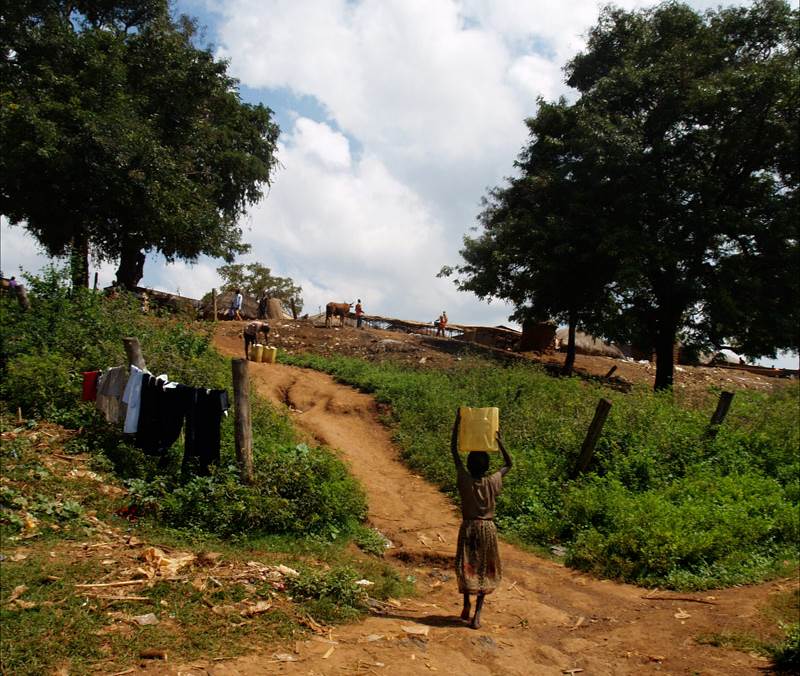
{"x": 131, "y": 397}
{"x": 110, "y": 386}
{"x": 203, "y": 419}
{"x": 89, "y": 392}
{"x": 148, "y": 429}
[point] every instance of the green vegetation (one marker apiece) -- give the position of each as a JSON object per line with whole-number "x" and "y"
{"x": 662, "y": 504}
{"x": 303, "y": 511}
{"x": 57, "y": 519}
{"x": 297, "y": 489}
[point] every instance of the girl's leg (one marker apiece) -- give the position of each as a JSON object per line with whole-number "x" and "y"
{"x": 476, "y": 620}
{"x": 467, "y": 607}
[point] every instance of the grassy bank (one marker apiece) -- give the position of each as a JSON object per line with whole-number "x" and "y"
{"x": 662, "y": 504}
{"x": 79, "y": 504}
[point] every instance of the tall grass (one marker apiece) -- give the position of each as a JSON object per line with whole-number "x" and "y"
{"x": 662, "y": 503}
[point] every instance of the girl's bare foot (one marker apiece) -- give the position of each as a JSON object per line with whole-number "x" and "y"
{"x": 476, "y": 623}
{"x": 466, "y": 609}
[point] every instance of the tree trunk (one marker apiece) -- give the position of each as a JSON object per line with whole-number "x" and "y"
{"x": 569, "y": 361}
{"x": 79, "y": 262}
{"x": 131, "y": 267}
{"x": 665, "y": 358}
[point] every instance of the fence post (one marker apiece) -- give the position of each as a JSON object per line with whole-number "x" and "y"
{"x": 96, "y": 280}
{"x": 244, "y": 430}
{"x": 134, "y": 352}
{"x": 723, "y": 405}
{"x": 214, "y": 301}
{"x": 611, "y": 371}
{"x": 592, "y": 436}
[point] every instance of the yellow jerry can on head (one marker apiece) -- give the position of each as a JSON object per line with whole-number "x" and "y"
{"x": 269, "y": 355}
{"x": 477, "y": 429}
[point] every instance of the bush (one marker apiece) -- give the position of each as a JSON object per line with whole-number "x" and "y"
{"x": 786, "y": 656}
{"x": 297, "y": 490}
{"x": 331, "y": 596}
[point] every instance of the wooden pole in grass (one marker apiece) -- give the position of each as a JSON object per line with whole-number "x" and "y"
{"x": 724, "y": 403}
{"x": 214, "y": 301}
{"x": 592, "y": 436}
{"x": 611, "y": 371}
{"x": 242, "y": 425}
{"x": 134, "y": 352}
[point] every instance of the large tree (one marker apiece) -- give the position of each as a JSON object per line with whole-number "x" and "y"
{"x": 694, "y": 124}
{"x": 542, "y": 245}
{"x": 119, "y": 136}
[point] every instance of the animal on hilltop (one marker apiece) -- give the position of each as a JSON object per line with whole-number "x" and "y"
{"x": 340, "y": 310}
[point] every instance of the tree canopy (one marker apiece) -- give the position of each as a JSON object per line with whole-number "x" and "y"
{"x": 257, "y": 280}
{"x": 119, "y": 136}
{"x": 686, "y": 130}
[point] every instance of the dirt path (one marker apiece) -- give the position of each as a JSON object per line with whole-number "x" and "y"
{"x": 545, "y": 619}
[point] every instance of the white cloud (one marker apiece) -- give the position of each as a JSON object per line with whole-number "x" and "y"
{"x": 424, "y": 102}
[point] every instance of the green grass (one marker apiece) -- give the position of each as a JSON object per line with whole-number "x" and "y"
{"x": 304, "y": 509}
{"x": 662, "y": 503}
{"x": 68, "y": 628}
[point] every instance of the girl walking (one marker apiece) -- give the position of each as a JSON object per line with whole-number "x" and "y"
{"x": 478, "y": 568}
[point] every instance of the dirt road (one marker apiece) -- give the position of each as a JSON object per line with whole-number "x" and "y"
{"x": 545, "y": 619}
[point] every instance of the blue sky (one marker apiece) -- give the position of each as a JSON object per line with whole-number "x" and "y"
{"x": 395, "y": 116}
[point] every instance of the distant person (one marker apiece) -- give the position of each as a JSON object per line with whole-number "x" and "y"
{"x": 441, "y": 324}
{"x": 236, "y": 305}
{"x": 359, "y": 313}
{"x": 251, "y": 332}
{"x": 478, "y": 567}
{"x": 262, "y": 306}
{"x": 13, "y": 283}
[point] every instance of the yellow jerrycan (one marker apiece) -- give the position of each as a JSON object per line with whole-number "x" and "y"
{"x": 477, "y": 430}
{"x": 269, "y": 355}
{"x": 256, "y": 352}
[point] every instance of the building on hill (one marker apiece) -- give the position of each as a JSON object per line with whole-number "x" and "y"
{"x": 587, "y": 344}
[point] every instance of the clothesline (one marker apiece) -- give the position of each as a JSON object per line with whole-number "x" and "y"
{"x": 154, "y": 410}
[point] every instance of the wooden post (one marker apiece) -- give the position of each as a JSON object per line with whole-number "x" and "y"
{"x": 134, "y": 352}
{"x": 95, "y": 281}
{"x": 611, "y": 371}
{"x": 22, "y": 297}
{"x": 243, "y": 428}
{"x": 723, "y": 405}
{"x": 592, "y": 436}
{"x": 214, "y": 301}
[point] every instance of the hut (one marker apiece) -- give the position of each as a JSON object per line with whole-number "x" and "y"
{"x": 586, "y": 344}
{"x": 492, "y": 336}
{"x": 538, "y": 337}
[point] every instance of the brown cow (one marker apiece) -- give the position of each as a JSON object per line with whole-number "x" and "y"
{"x": 340, "y": 310}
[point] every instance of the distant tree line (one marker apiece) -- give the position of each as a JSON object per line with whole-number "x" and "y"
{"x": 663, "y": 202}
{"x": 119, "y": 136}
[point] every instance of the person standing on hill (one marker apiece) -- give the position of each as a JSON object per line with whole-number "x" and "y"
{"x": 478, "y": 568}
{"x": 236, "y": 305}
{"x": 359, "y": 313}
{"x": 251, "y": 332}
{"x": 441, "y": 324}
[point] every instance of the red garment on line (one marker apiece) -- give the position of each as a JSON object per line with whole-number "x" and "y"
{"x": 90, "y": 385}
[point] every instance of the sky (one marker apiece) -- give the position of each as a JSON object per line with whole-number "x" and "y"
{"x": 396, "y": 116}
